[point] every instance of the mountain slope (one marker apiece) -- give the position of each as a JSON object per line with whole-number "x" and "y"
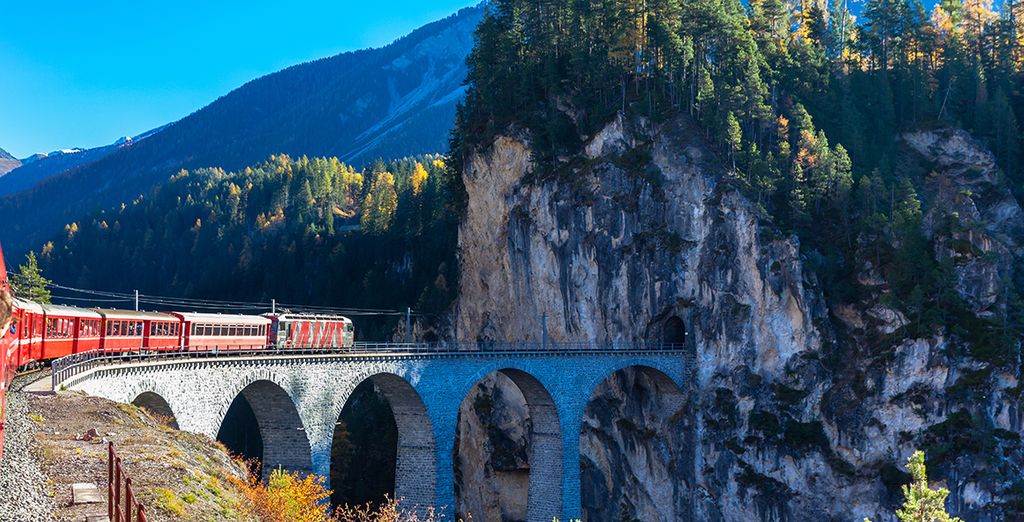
{"x": 7, "y": 162}
{"x": 43, "y": 166}
{"x": 390, "y": 102}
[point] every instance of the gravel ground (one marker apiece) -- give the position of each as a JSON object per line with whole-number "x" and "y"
{"x": 23, "y": 491}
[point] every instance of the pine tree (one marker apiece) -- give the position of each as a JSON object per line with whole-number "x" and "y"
{"x": 29, "y": 284}
{"x": 922, "y": 503}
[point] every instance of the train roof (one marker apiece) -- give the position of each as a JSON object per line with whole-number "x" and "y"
{"x": 195, "y": 317}
{"x": 70, "y": 311}
{"x": 133, "y": 315}
{"x": 28, "y": 306}
{"x": 307, "y": 317}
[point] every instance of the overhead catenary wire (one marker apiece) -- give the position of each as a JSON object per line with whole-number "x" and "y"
{"x": 184, "y": 303}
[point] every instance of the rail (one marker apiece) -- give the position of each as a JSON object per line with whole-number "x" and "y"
{"x": 70, "y": 366}
{"x": 117, "y": 481}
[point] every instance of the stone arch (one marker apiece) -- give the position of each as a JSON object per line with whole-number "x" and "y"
{"x": 628, "y": 423}
{"x": 156, "y": 399}
{"x": 285, "y": 443}
{"x": 544, "y": 451}
{"x": 416, "y": 456}
{"x": 157, "y": 406}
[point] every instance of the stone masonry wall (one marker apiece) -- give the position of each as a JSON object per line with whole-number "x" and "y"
{"x": 425, "y": 392}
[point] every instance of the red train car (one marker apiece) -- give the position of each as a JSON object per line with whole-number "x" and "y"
{"x": 125, "y": 331}
{"x": 310, "y": 331}
{"x": 223, "y": 332}
{"x": 162, "y": 332}
{"x": 69, "y": 331}
{"x": 7, "y": 346}
{"x": 29, "y": 320}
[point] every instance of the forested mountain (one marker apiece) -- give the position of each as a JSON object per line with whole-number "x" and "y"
{"x": 312, "y": 231}
{"x": 43, "y": 166}
{"x": 390, "y": 102}
{"x": 7, "y": 162}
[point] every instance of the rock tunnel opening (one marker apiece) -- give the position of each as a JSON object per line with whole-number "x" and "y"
{"x": 634, "y": 437}
{"x": 674, "y": 331}
{"x": 158, "y": 407}
{"x": 384, "y": 444}
{"x": 507, "y": 454}
{"x": 263, "y": 425}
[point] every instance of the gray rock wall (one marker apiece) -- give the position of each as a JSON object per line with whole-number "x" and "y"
{"x": 799, "y": 409}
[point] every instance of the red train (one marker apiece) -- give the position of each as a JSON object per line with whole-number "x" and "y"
{"x": 31, "y": 333}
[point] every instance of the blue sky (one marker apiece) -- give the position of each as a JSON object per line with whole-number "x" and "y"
{"x": 83, "y": 73}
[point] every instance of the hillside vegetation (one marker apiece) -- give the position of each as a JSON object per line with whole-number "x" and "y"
{"x": 312, "y": 231}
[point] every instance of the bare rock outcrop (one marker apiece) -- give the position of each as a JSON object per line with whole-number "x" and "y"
{"x": 799, "y": 409}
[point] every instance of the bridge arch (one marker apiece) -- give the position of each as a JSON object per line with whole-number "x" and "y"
{"x": 415, "y": 445}
{"x": 617, "y": 439}
{"x": 157, "y": 406}
{"x": 270, "y": 424}
{"x": 544, "y": 448}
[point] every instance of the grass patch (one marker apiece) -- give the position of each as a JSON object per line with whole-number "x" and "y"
{"x": 168, "y": 501}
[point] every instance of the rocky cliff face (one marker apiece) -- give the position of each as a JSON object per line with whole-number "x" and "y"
{"x": 799, "y": 409}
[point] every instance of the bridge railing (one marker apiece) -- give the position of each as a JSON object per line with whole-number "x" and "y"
{"x": 68, "y": 367}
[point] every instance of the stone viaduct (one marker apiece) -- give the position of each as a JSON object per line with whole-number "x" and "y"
{"x": 297, "y": 400}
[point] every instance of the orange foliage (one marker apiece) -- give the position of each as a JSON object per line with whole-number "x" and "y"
{"x": 286, "y": 497}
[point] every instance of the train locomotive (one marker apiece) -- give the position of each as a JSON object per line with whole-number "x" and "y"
{"x": 33, "y": 333}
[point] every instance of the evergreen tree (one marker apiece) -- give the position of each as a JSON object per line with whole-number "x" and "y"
{"x": 29, "y": 284}
{"x": 922, "y": 503}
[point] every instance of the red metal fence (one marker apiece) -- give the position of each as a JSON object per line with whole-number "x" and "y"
{"x": 120, "y": 508}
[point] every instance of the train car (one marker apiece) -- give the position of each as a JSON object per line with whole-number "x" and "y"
{"x": 162, "y": 333}
{"x": 310, "y": 331}
{"x": 69, "y": 331}
{"x": 223, "y": 332}
{"x": 7, "y": 338}
{"x": 29, "y": 320}
{"x": 125, "y": 331}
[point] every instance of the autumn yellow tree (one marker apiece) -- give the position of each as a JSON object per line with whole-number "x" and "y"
{"x": 419, "y": 178}
{"x": 380, "y": 204}
{"x": 286, "y": 497}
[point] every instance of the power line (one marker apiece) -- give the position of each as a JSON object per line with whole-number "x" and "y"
{"x": 181, "y": 303}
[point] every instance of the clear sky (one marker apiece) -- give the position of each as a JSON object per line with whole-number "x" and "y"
{"x": 81, "y": 73}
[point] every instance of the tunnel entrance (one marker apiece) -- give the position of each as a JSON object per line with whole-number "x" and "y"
{"x": 674, "y": 331}
{"x": 384, "y": 444}
{"x": 157, "y": 407}
{"x": 507, "y": 450}
{"x": 364, "y": 451}
{"x": 635, "y": 433}
{"x": 240, "y": 433}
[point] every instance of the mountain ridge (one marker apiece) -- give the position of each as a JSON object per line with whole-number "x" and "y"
{"x": 7, "y": 162}
{"x": 394, "y": 101}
